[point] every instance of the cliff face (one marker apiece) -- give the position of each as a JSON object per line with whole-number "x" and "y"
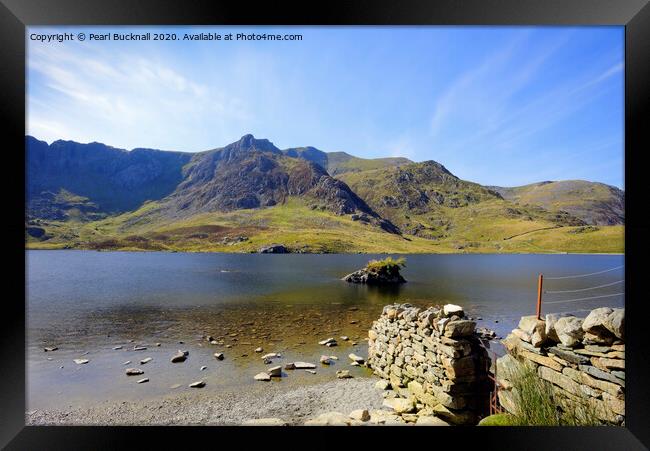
{"x": 114, "y": 180}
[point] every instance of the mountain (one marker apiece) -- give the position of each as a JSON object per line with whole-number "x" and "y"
{"x": 340, "y": 162}
{"x": 114, "y": 180}
{"x": 425, "y": 199}
{"x": 253, "y": 173}
{"x": 249, "y": 194}
{"x": 594, "y": 203}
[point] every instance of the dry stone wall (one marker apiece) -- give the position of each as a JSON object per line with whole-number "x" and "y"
{"x": 434, "y": 361}
{"x": 582, "y": 358}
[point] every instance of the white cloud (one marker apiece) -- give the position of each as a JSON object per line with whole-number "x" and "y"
{"x": 118, "y": 98}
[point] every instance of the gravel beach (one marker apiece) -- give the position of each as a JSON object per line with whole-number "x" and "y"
{"x": 267, "y": 400}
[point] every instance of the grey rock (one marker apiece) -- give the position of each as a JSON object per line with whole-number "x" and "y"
{"x": 178, "y": 357}
{"x": 262, "y": 376}
{"x": 273, "y": 249}
{"x": 143, "y": 380}
{"x": 569, "y": 330}
{"x": 134, "y": 372}
{"x": 197, "y": 384}
{"x": 595, "y": 322}
{"x": 304, "y": 366}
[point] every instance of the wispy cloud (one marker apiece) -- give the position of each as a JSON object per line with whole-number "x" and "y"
{"x": 111, "y": 94}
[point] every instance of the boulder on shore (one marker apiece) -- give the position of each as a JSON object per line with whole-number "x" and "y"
{"x": 273, "y": 249}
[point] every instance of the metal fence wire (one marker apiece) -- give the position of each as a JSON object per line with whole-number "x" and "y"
{"x": 577, "y": 290}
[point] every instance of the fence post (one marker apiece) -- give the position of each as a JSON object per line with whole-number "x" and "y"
{"x": 540, "y": 282}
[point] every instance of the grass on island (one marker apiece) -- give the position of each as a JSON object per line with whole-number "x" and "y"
{"x": 388, "y": 265}
{"x": 473, "y": 229}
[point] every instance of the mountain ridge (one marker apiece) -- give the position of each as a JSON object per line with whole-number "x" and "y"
{"x": 252, "y": 185}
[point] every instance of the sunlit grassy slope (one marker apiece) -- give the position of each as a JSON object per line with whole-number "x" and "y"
{"x": 484, "y": 229}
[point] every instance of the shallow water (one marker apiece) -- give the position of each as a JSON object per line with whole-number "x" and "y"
{"x": 85, "y": 301}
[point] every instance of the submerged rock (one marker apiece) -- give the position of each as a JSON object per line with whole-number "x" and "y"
{"x": 343, "y": 374}
{"x": 262, "y": 376}
{"x": 325, "y": 360}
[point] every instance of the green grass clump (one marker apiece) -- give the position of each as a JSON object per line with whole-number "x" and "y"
{"x": 538, "y": 405}
{"x": 388, "y": 265}
{"x": 499, "y": 419}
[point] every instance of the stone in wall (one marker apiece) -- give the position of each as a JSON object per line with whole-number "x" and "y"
{"x": 582, "y": 358}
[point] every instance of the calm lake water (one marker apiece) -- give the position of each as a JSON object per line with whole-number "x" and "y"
{"x": 88, "y": 302}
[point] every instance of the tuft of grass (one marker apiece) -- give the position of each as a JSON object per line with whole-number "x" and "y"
{"x": 499, "y": 419}
{"x": 538, "y": 404}
{"x": 388, "y": 265}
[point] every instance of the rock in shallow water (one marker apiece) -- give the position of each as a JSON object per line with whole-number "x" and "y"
{"x": 356, "y": 358}
{"x": 197, "y": 384}
{"x": 133, "y": 372}
{"x": 262, "y": 376}
{"x": 218, "y": 355}
{"x": 179, "y": 357}
{"x": 325, "y": 360}
{"x": 275, "y": 371}
{"x": 143, "y": 380}
{"x": 81, "y": 361}
{"x": 144, "y": 361}
{"x": 50, "y": 348}
{"x": 343, "y": 374}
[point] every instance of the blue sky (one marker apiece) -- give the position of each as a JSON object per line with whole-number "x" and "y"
{"x": 495, "y": 105}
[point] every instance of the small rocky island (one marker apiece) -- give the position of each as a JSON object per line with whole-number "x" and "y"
{"x": 379, "y": 272}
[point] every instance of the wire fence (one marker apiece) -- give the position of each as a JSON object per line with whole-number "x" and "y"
{"x": 578, "y": 290}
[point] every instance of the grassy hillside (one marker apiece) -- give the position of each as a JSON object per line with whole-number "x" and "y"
{"x": 341, "y": 162}
{"x": 595, "y": 203}
{"x": 303, "y": 229}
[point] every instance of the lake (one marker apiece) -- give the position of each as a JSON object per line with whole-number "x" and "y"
{"x": 86, "y": 303}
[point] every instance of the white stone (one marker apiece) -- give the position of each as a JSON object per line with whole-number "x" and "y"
{"x": 262, "y": 377}
{"x": 453, "y": 309}
{"x": 360, "y": 415}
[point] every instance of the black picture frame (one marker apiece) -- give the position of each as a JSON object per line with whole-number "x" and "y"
{"x": 15, "y": 15}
